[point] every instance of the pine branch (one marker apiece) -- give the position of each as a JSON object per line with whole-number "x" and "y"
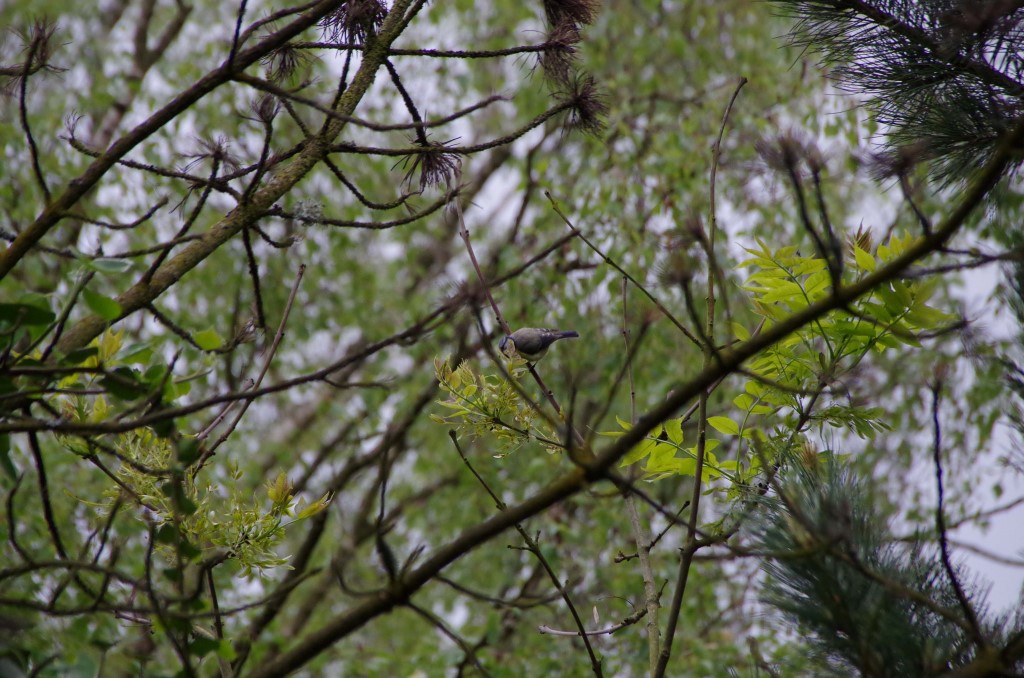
{"x": 945, "y": 78}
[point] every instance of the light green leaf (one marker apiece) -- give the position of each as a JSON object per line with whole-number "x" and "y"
{"x": 674, "y": 430}
{"x": 639, "y": 451}
{"x": 226, "y": 650}
{"x": 865, "y": 261}
{"x": 208, "y": 340}
{"x": 139, "y": 352}
{"x": 817, "y": 282}
{"x": 662, "y": 459}
{"x": 785, "y": 291}
{"x": 813, "y": 265}
{"x": 686, "y": 467}
{"x": 109, "y": 265}
{"x": 724, "y": 425}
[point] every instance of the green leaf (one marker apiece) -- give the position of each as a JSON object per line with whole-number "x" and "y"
{"x": 177, "y": 389}
{"x": 786, "y": 291}
{"x": 79, "y": 356}
{"x": 724, "y": 425}
{"x": 164, "y": 427}
{"x": 188, "y": 450}
{"x": 639, "y": 451}
{"x": 186, "y": 548}
{"x": 893, "y": 303}
{"x": 172, "y": 574}
{"x": 208, "y": 340}
{"x": 878, "y": 311}
{"x": 226, "y": 650}
{"x": 167, "y": 534}
{"x": 819, "y": 282}
{"x": 905, "y": 291}
{"x": 26, "y": 314}
{"x": 662, "y": 459}
{"x": 174, "y": 491}
{"x": 109, "y": 265}
{"x": 674, "y": 430}
{"x": 812, "y": 265}
{"x": 104, "y": 307}
{"x": 140, "y": 352}
{"x": 686, "y": 467}
{"x": 123, "y": 383}
{"x": 865, "y": 261}
{"x": 154, "y": 374}
{"x": 928, "y": 317}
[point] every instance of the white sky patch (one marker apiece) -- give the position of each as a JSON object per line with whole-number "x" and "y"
{"x": 1004, "y": 535}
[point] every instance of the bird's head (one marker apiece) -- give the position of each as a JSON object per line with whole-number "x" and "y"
{"x": 506, "y": 345}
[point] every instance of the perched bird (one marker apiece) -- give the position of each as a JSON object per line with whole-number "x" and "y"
{"x": 532, "y": 342}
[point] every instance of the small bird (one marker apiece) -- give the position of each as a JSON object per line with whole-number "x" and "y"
{"x": 532, "y": 342}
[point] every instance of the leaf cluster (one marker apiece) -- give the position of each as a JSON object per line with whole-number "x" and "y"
{"x": 799, "y": 381}
{"x": 493, "y": 406}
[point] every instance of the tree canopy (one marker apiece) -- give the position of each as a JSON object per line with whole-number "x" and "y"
{"x": 257, "y": 416}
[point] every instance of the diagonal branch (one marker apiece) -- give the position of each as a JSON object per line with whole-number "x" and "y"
{"x": 79, "y": 186}
{"x": 579, "y": 478}
{"x": 262, "y": 200}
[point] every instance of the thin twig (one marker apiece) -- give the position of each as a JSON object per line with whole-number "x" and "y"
{"x": 577, "y": 451}
{"x": 266, "y": 366}
{"x": 456, "y": 207}
{"x": 641, "y": 536}
{"x": 628, "y": 621}
{"x": 44, "y": 496}
{"x": 410, "y": 334}
{"x": 534, "y": 548}
{"x": 436, "y": 621}
{"x": 578, "y": 479}
{"x": 711, "y": 357}
{"x": 940, "y": 523}
{"x": 611, "y": 262}
{"x": 716, "y": 156}
{"x": 218, "y": 622}
{"x": 37, "y": 169}
{"x": 231, "y": 60}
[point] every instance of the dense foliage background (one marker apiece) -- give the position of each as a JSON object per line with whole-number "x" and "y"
{"x": 240, "y": 259}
